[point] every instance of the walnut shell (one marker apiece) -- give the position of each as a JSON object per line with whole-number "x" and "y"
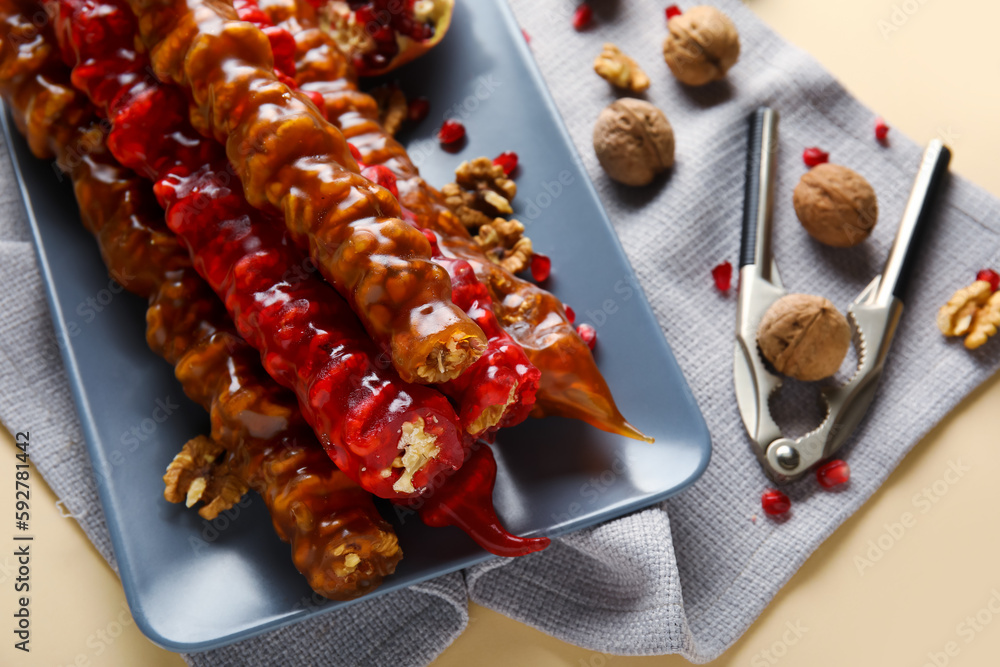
{"x": 702, "y": 45}
{"x": 804, "y": 337}
{"x": 836, "y": 205}
{"x": 633, "y": 141}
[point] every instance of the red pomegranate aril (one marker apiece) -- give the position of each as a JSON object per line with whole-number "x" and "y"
{"x": 990, "y": 276}
{"x": 588, "y": 334}
{"x": 541, "y": 267}
{"x": 672, "y": 11}
{"x": 881, "y": 130}
{"x": 775, "y": 502}
{"x": 508, "y": 161}
{"x": 723, "y": 276}
{"x": 582, "y": 16}
{"x": 814, "y": 156}
{"x": 450, "y": 132}
{"x": 381, "y": 175}
{"x": 570, "y": 314}
{"x": 833, "y": 473}
{"x": 418, "y": 109}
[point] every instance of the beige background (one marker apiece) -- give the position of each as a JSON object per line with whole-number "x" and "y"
{"x": 933, "y": 76}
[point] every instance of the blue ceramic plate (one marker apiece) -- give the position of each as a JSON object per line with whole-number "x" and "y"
{"x": 194, "y": 585}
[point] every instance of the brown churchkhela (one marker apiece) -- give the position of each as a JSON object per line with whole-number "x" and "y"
{"x": 292, "y": 161}
{"x": 571, "y": 384}
{"x": 339, "y": 541}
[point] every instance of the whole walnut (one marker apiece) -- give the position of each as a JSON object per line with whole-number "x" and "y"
{"x": 836, "y": 205}
{"x": 633, "y": 141}
{"x": 702, "y": 45}
{"x": 804, "y": 337}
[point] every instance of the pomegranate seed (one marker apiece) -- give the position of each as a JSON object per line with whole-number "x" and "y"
{"x": 582, "y": 16}
{"x": 588, "y": 334}
{"x": 380, "y": 174}
{"x": 990, "y": 276}
{"x": 418, "y": 109}
{"x": 541, "y": 267}
{"x": 316, "y": 98}
{"x": 881, "y": 130}
{"x": 672, "y": 11}
{"x": 815, "y": 156}
{"x": 508, "y": 161}
{"x": 431, "y": 237}
{"x": 723, "y": 276}
{"x": 450, "y": 132}
{"x": 832, "y": 474}
{"x": 526, "y": 36}
{"x": 775, "y": 502}
{"x": 570, "y": 314}
{"x": 355, "y": 153}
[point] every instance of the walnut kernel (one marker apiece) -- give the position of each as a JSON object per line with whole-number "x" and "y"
{"x": 955, "y": 317}
{"x": 985, "y": 323}
{"x": 480, "y": 193}
{"x": 619, "y": 70}
{"x": 195, "y": 475}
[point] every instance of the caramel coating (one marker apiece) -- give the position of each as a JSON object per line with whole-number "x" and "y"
{"x": 268, "y": 446}
{"x": 571, "y": 385}
{"x": 633, "y": 141}
{"x": 702, "y": 45}
{"x": 291, "y": 160}
{"x": 836, "y": 205}
{"x": 804, "y": 337}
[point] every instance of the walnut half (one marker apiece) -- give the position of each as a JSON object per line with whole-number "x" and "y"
{"x": 985, "y": 323}
{"x": 195, "y": 475}
{"x": 955, "y": 317}
{"x": 480, "y": 193}
{"x": 619, "y": 70}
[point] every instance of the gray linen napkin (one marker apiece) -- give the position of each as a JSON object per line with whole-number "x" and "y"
{"x": 690, "y": 575}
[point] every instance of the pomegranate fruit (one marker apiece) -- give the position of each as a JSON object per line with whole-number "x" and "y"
{"x": 381, "y": 35}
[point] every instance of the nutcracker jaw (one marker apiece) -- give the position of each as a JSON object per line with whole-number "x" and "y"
{"x": 874, "y": 315}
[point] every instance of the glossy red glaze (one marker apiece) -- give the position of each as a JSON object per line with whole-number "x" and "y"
{"x": 467, "y": 502}
{"x": 309, "y": 339}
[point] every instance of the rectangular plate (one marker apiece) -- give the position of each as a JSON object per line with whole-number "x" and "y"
{"x": 193, "y": 584}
